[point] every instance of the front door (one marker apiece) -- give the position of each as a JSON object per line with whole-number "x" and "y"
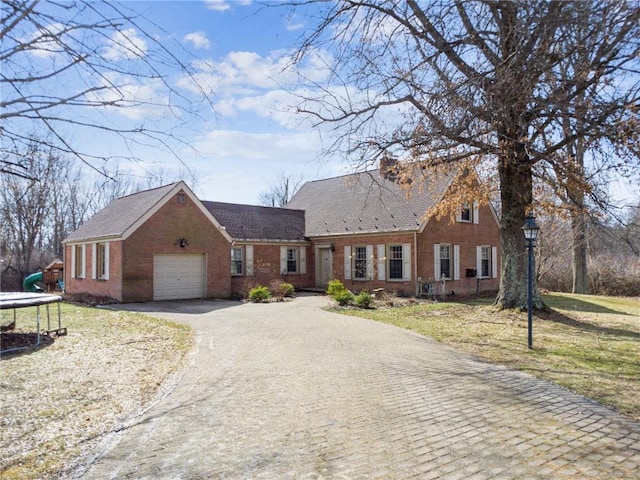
{"x": 325, "y": 267}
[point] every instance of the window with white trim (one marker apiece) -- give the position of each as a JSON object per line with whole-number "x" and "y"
{"x": 359, "y": 262}
{"x": 236, "y": 261}
{"x": 292, "y": 260}
{"x": 78, "y": 261}
{"x": 395, "y": 262}
{"x": 468, "y": 213}
{"x": 487, "y": 261}
{"x": 445, "y": 262}
{"x": 102, "y": 261}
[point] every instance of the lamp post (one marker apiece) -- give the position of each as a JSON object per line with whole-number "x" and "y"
{"x": 530, "y": 230}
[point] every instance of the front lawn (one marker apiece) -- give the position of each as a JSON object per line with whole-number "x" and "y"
{"x": 61, "y": 401}
{"x": 588, "y": 344}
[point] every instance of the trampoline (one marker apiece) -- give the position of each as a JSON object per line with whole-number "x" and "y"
{"x": 15, "y": 300}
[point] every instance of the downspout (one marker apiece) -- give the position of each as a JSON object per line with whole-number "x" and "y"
{"x": 415, "y": 261}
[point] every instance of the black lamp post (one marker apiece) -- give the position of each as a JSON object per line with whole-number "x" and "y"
{"x": 530, "y": 230}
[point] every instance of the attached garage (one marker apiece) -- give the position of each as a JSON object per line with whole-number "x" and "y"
{"x": 178, "y": 276}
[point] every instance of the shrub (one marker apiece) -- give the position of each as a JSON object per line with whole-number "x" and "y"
{"x": 343, "y": 297}
{"x": 281, "y": 289}
{"x": 363, "y": 300}
{"x": 259, "y": 294}
{"x": 335, "y": 286}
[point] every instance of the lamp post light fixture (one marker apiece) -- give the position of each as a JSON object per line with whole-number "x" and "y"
{"x": 530, "y": 230}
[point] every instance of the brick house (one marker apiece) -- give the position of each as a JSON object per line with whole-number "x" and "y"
{"x": 368, "y": 233}
{"x": 165, "y": 243}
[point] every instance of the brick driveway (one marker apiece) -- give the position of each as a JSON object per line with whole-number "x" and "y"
{"x": 290, "y": 391}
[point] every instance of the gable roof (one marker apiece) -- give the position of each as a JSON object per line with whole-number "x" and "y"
{"x": 249, "y": 222}
{"x": 124, "y": 215}
{"x": 365, "y": 202}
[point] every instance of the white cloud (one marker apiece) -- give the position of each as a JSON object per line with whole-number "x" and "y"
{"x": 236, "y": 166}
{"x": 125, "y": 45}
{"x": 46, "y": 41}
{"x": 135, "y": 100}
{"x": 198, "y": 40}
{"x": 224, "y": 5}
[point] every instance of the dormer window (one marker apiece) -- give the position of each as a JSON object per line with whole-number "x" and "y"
{"x": 468, "y": 213}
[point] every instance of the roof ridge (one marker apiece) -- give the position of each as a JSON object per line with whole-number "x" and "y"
{"x": 147, "y": 190}
{"x": 249, "y": 205}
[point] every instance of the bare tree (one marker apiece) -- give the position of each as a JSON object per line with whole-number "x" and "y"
{"x": 279, "y": 193}
{"x": 36, "y": 212}
{"x": 453, "y": 84}
{"x": 68, "y": 67}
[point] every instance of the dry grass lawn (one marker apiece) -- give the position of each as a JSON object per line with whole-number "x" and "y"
{"x": 588, "y": 344}
{"x": 61, "y": 401}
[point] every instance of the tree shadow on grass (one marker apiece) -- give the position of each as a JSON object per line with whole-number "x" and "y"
{"x": 579, "y": 305}
{"x": 558, "y": 317}
{"x": 14, "y": 344}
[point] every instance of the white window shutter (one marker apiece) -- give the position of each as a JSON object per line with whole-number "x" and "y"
{"x": 436, "y": 261}
{"x": 303, "y": 260}
{"x": 106, "y": 261}
{"x": 382, "y": 262}
{"x": 456, "y": 262}
{"x": 459, "y": 215}
{"x": 94, "y": 260}
{"x": 479, "y": 261}
{"x": 494, "y": 262}
{"x": 283, "y": 260}
{"x": 347, "y": 262}
{"x": 73, "y": 261}
{"x": 369, "y": 262}
{"x": 476, "y": 212}
{"x": 406, "y": 261}
{"x": 84, "y": 261}
{"x": 248, "y": 260}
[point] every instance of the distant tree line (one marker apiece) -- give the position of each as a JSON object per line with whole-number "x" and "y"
{"x": 39, "y": 211}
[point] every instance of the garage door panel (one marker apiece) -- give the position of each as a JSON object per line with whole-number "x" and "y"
{"x": 178, "y": 277}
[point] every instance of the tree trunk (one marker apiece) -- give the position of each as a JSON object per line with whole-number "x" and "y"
{"x": 516, "y": 197}
{"x": 579, "y": 253}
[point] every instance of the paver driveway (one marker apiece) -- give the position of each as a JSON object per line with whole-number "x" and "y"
{"x": 288, "y": 390}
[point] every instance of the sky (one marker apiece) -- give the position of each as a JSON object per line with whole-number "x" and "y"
{"x": 239, "y": 51}
{"x": 251, "y": 137}
{"x": 231, "y": 147}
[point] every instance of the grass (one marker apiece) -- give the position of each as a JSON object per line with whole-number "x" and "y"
{"x": 59, "y": 401}
{"x": 588, "y": 344}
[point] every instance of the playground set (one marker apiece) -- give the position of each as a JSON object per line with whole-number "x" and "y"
{"x": 35, "y": 286}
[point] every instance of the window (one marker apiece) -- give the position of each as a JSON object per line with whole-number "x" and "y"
{"x": 102, "y": 261}
{"x": 78, "y": 261}
{"x": 468, "y": 213}
{"x": 360, "y": 263}
{"x": 485, "y": 262}
{"x": 465, "y": 214}
{"x": 292, "y": 260}
{"x": 445, "y": 261}
{"x": 395, "y": 262}
{"x": 182, "y": 197}
{"x": 236, "y": 261}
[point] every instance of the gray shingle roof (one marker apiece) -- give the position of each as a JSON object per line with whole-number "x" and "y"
{"x": 362, "y": 203}
{"x": 249, "y": 222}
{"x": 119, "y": 215}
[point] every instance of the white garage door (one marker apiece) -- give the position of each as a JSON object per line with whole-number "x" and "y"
{"x": 178, "y": 277}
